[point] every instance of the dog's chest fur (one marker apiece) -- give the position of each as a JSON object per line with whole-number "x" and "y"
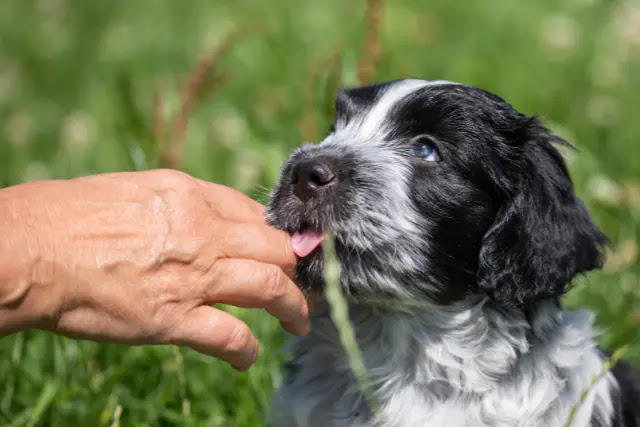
{"x": 470, "y": 364}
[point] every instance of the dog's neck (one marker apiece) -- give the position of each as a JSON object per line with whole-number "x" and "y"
{"x": 468, "y": 363}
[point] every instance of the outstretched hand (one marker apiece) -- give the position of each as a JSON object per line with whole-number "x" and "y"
{"x": 139, "y": 258}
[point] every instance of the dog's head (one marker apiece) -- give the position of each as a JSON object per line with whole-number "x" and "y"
{"x": 436, "y": 190}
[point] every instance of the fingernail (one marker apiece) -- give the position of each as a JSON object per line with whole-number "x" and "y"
{"x": 307, "y": 328}
{"x": 304, "y": 328}
{"x": 248, "y": 359}
{"x": 253, "y": 355}
{"x": 297, "y": 328}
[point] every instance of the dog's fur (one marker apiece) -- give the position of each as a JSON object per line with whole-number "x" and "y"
{"x": 453, "y": 269}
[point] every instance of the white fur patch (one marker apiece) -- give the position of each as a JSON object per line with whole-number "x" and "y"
{"x": 469, "y": 364}
{"x": 374, "y": 120}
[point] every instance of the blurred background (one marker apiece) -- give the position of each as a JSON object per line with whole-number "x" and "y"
{"x": 225, "y": 89}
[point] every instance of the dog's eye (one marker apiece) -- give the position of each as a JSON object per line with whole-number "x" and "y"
{"x": 423, "y": 148}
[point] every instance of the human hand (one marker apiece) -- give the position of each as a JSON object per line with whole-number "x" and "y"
{"x": 139, "y": 257}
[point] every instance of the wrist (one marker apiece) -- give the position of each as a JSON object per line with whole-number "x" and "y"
{"x": 27, "y": 294}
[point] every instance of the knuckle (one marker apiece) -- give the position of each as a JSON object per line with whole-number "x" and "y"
{"x": 161, "y": 322}
{"x": 275, "y": 285}
{"x": 239, "y": 339}
{"x": 178, "y": 179}
{"x": 192, "y": 191}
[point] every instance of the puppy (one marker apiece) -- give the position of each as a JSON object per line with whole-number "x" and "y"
{"x": 457, "y": 230}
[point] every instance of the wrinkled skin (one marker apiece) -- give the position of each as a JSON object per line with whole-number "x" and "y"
{"x": 139, "y": 258}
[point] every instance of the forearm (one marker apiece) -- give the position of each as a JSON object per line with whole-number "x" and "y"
{"x": 26, "y": 290}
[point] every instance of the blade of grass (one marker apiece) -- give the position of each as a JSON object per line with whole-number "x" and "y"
{"x": 171, "y": 155}
{"x": 20, "y": 419}
{"x": 186, "y": 404}
{"x": 372, "y": 49}
{"x": 10, "y": 384}
{"x": 116, "y": 416}
{"x": 46, "y": 397}
{"x": 107, "y": 412}
{"x": 340, "y": 315}
{"x": 333, "y": 83}
{"x": 606, "y": 367}
{"x": 308, "y": 121}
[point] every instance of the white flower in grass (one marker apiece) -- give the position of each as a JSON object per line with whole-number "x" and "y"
{"x": 247, "y": 170}
{"x": 36, "y": 171}
{"x": 621, "y": 257}
{"x": 559, "y": 35}
{"x": 602, "y": 110}
{"x": 229, "y": 128}
{"x": 77, "y": 132}
{"x": 627, "y": 23}
{"x": 605, "y": 190}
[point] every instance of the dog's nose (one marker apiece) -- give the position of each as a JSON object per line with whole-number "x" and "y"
{"x": 310, "y": 178}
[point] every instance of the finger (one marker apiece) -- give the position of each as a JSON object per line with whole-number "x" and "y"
{"x": 216, "y": 333}
{"x": 313, "y": 301}
{"x": 253, "y": 284}
{"x": 227, "y": 202}
{"x": 232, "y": 204}
{"x": 256, "y": 242}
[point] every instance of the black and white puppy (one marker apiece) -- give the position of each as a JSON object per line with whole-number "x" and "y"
{"x": 457, "y": 230}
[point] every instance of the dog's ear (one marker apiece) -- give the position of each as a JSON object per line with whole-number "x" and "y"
{"x": 543, "y": 235}
{"x": 352, "y": 101}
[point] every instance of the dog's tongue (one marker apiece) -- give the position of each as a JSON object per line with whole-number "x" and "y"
{"x": 305, "y": 242}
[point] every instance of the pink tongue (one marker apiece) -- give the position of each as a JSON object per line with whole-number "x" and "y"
{"x": 305, "y": 242}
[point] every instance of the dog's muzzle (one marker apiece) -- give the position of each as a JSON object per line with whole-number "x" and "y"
{"x": 312, "y": 181}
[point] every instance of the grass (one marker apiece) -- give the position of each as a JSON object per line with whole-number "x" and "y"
{"x": 339, "y": 310}
{"x": 88, "y": 87}
{"x": 606, "y": 367}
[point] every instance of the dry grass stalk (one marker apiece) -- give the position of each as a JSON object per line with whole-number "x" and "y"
{"x": 339, "y": 311}
{"x": 372, "y": 49}
{"x": 606, "y": 367}
{"x": 309, "y": 128}
{"x": 334, "y": 77}
{"x": 621, "y": 257}
{"x": 308, "y": 121}
{"x": 198, "y": 78}
{"x": 158, "y": 125}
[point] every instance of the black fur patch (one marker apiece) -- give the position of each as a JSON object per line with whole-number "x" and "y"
{"x": 500, "y": 215}
{"x": 628, "y": 396}
{"x": 495, "y": 216}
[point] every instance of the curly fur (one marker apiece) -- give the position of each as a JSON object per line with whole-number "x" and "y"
{"x": 453, "y": 268}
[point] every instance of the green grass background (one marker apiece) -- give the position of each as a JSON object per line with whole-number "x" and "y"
{"x": 78, "y": 82}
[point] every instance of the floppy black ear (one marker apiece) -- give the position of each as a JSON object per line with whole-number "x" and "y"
{"x": 542, "y": 237}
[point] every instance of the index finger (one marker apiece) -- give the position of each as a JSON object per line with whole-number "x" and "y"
{"x": 256, "y": 242}
{"x": 228, "y": 203}
{"x": 231, "y": 204}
